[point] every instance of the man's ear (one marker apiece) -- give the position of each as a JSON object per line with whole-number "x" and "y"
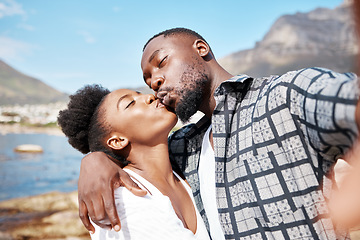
{"x": 202, "y": 47}
{"x": 117, "y": 143}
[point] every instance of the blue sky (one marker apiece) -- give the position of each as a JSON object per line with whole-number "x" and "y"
{"x": 70, "y": 43}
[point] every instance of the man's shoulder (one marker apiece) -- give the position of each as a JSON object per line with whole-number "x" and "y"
{"x": 315, "y": 73}
{"x": 182, "y": 132}
{"x": 179, "y": 138}
{"x": 302, "y": 77}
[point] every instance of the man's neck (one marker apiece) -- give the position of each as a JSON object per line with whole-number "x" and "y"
{"x": 208, "y": 105}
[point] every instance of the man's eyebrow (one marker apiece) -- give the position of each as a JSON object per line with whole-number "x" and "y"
{"x": 153, "y": 55}
{"x": 120, "y": 99}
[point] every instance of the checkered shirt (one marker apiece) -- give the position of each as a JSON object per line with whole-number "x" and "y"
{"x": 276, "y": 140}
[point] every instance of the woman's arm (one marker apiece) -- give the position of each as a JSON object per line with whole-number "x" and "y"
{"x": 99, "y": 175}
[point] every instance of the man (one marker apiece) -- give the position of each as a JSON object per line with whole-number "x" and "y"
{"x": 269, "y": 146}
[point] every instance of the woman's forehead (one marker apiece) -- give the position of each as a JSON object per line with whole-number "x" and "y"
{"x": 116, "y": 94}
{"x": 120, "y": 92}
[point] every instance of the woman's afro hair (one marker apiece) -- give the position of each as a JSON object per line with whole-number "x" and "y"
{"x": 81, "y": 115}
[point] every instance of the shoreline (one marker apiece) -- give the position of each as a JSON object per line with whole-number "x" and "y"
{"x": 18, "y": 128}
{"x": 53, "y": 215}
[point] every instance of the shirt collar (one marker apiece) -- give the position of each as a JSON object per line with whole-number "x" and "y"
{"x": 234, "y": 84}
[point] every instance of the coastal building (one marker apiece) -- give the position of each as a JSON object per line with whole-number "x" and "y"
{"x": 40, "y": 114}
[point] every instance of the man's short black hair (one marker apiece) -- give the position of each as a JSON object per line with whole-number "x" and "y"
{"x": 175, "y": 31}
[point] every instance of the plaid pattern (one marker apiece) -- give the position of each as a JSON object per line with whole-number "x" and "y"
{"x": 276, "y": 140}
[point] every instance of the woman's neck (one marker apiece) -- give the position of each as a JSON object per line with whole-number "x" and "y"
{"x": 152, "y": 163}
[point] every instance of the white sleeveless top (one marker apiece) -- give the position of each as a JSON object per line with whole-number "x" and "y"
{"x": 208, "y": 188}
{"x": 149, "y": 217}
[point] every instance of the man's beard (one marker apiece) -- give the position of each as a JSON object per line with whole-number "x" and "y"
{"x": 192, "y": 94}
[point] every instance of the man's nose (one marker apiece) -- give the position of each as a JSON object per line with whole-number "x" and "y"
{"x": 156, "y": 83}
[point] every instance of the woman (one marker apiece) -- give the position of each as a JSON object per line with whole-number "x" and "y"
{"x": 132, "y": 129}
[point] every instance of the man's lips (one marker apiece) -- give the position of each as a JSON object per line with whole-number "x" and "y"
{"x": 160, "y": 104}
{"x": 168, "y": 101}
{"x": 166, "y": 98}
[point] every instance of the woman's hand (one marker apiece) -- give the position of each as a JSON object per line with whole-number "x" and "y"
{"x": 99, "y": 176}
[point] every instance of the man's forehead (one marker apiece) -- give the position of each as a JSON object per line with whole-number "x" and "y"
{"x": 157, "y": 45}
{"x": 160, "y": 40}
{"x": 163, "y": 43}
{"x": 169, "y": 40}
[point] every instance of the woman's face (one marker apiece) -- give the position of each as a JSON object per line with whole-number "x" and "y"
{"x": 138, "y": 117}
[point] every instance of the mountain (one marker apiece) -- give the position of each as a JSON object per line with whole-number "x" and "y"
{"x": 18, "y": 88}
{"x": 320, "y": 38}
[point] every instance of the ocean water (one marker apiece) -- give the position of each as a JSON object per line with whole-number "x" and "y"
{"x": 27, "y": 174}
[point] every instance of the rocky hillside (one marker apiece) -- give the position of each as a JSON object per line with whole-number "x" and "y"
{"x": 18, "y": 88}
{"x": 322, "y": 38}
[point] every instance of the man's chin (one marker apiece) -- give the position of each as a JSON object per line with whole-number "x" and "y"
{"x": 184, "y": 114}
{"x": 170, "y": 109}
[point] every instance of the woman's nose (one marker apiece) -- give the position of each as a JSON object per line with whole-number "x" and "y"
{"x": 149, "y": 98}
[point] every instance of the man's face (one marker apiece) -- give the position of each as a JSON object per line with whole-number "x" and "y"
{"x": 174, "y": 70}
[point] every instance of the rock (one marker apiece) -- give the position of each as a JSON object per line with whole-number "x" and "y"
{"x": 29, "y": 148}
{"x": 301, "y": 40}
{"x": 53, "y": 201}
{"x": 48, "y": 216}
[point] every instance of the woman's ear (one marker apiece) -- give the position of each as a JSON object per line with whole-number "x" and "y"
{"x": 117, "y": 143}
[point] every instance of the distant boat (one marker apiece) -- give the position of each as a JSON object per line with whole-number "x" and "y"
{"x": 28, "y": 148}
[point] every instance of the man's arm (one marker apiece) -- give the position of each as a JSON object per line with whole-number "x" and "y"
{"x": 145, "y": 218}
{"x": 99, "y": 175}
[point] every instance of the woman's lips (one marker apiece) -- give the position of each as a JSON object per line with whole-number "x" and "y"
{"x": 159, "y": 104}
